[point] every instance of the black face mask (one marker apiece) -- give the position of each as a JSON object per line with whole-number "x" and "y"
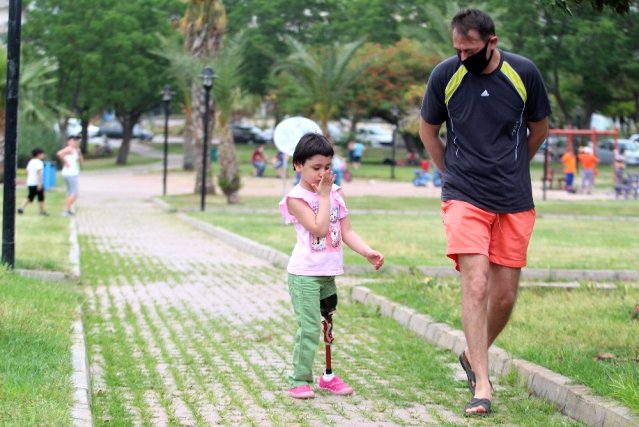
{"x": 477, "y": 63}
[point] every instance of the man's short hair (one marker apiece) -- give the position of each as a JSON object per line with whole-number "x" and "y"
{"x": 473, "y": 19}
{"x": 37, "y": 151}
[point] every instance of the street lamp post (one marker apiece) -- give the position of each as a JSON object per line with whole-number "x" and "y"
{"x": 395, "y": 113}
{"x": 208, "y": 75}
{"x": 166, "y": 99}
{"x": 11, "y": 134}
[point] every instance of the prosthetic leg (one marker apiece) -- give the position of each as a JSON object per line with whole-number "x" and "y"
{"x": 327, "y": 307}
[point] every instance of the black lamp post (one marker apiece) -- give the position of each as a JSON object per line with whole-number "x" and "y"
{"x": 11, "y": 134}
{"x": 395, "y": 112}
{"x": 208, "y": 75}
{"x": 166, "y": 99}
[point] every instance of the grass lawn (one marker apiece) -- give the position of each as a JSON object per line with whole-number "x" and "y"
{"x": 563, "y": 330}
{"x": 35, "y": 364}
{"x": 108, "y": 162}
{"x": 571, "y": 235}
{"x": 42, "y": 243}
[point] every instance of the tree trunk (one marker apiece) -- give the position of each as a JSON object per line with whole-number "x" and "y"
{"x": 229, "y": 180}
{"x": 188, "y": 161}
{"x": 197, "y": 130}
{"x": 2, "y": 129}
{"x": 127, "y": 134}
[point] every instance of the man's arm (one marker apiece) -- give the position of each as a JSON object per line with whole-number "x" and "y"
{"x": 537, "y": 133}
{"x": 429, "y": 135}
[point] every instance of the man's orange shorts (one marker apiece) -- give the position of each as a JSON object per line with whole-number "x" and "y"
{"x": 502, "y": 237}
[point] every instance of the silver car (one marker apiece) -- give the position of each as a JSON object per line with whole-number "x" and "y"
{"x": 631, "y": 151}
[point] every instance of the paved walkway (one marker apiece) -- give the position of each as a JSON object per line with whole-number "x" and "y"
{"x": 207, "y": 329}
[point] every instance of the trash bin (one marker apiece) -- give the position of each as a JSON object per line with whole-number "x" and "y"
{"x": 48, "y": 175}
{"x": 214, "y": 154}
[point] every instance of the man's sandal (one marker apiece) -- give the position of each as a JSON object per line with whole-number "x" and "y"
{"x": 470, "y": 375}
{"x": 478, "y": 403}
{"x": 469, "y": 372}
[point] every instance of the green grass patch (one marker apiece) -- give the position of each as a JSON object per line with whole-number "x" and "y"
{"x": 575, "y": 235}
{"x": 563, "y": 330}
{"x": 102, "y": 163}
{"x": 35, "y": 361}
{"x": 42, "y": 243}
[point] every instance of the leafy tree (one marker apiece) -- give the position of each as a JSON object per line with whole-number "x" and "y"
{"x": 324, "y": 74}
{"x": 390, "y": 75}
{"x": 135, "y": 79}
{"x": 64, "y": 31}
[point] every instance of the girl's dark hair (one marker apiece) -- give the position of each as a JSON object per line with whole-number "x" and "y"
{"x": 310, "y": 145}
{"x": 473, "y": 19}
{"x": 37, "y": 151}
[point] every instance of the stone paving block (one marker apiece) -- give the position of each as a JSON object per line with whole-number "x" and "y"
{"x": 387, "y": 308}
{"x": 403, "y": 314}
{"x": 360, "y": 293}
{"x": 432, "y": 333}
{"x": 460, "y": 341}
{"x": 499, "y": 360}
{"x": 620, "y": 416}
{"x": 419, "y": 324}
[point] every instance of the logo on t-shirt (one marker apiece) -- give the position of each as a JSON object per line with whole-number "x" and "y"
{"x": 485, "y": 93}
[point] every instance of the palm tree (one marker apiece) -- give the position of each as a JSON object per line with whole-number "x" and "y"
{"x": 36, "y": 77}
{"x": 204, "y": 24}
{"x": 324, "y": 74}
{"x": 228, "y": 94}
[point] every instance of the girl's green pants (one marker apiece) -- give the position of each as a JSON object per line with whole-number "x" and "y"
{"x": 306, "y": 293}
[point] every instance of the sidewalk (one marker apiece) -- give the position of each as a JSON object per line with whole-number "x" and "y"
{"x": 171, "y": 292}
{"x": 182, "y": 328}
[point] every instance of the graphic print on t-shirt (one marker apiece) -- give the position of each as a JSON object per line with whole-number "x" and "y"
{"x": 334, "y": 235}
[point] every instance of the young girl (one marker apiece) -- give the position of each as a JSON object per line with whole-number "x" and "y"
{"x": 317, "y": 209}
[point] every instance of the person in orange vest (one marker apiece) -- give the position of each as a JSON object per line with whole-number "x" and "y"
{"x": 570, "y": 168}
{"x": 588, "y": 164}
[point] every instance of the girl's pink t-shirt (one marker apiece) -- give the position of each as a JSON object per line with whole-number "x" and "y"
{"x": 316, "y": 256}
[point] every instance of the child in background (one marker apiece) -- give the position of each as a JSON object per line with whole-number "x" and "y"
{"x": 570, "y": 168}
{"x": 318, "y": 211}
{"x": 588, "y": 167}
{"x": 35, "y": 169}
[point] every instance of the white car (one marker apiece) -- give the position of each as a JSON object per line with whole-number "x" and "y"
{"x": 74, "y": 127}
{"x": 374, "y": 136}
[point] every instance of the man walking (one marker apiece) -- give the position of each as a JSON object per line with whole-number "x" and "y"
{"x": 496, "y": 111}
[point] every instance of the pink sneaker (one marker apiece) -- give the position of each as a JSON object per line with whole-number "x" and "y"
{"x": 301, "y": 392}
{"x": 335, "y": 386}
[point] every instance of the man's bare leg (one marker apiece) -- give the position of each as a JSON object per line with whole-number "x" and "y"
{"x": 474, "y": 271}
{"x": 503, "y": 283}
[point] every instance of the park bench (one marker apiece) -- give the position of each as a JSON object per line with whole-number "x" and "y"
{"x": 554, "y": 176}
{"x": 629, "y": 186}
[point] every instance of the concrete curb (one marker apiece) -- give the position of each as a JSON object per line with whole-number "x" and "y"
{"x": 81, "y": 410}
{"x": 574, "y": 400}
{"x": 74, "y": 253}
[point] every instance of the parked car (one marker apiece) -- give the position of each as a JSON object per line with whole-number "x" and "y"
{"x": 247, "y": 134}
{"x": 634, "y": 138}
{"x": 631, "y": 151}
{"x": 113, "y": 130}
{"x": 374, "y": 136}
{"x": 74, "y": 127}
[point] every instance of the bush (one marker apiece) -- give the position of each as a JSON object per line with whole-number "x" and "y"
{"x": 31, "y": 136}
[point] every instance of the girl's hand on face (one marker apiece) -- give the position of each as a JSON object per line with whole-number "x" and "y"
{"x": 325, "y": 185}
